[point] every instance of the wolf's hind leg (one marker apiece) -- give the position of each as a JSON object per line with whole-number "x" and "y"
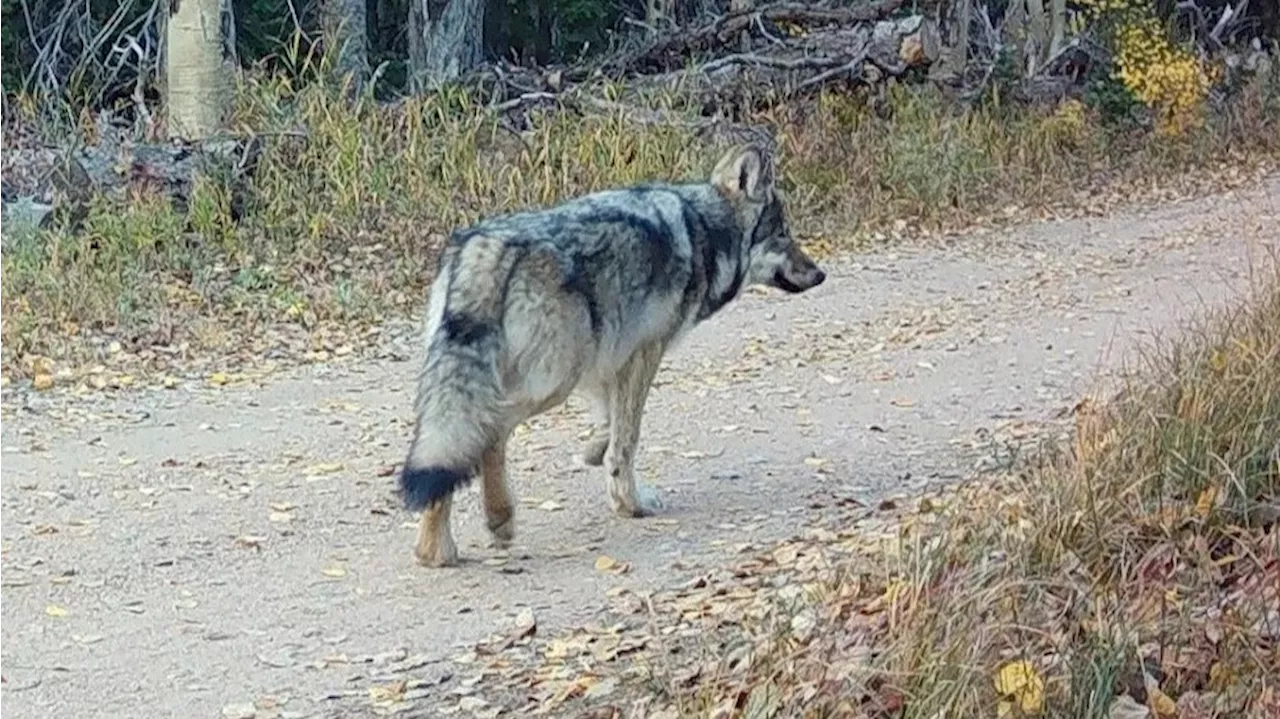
{"x": 435, "y": 546}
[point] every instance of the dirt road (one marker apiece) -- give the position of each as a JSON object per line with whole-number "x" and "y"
{"x": 185, "y": 552}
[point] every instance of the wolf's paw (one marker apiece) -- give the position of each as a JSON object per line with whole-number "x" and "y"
{"x": 644, "y": 503}
{"x": 648, "y": 500}
{"x": 503, "y": 532}
{"x": 442, "y": 554}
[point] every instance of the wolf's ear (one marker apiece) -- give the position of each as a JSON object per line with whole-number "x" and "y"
{"x": 742, "y": 171}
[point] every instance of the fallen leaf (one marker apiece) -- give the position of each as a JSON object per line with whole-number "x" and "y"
{"x": 387, "y": 693}
{"x": 239, "y": 710}
{"x": 1160, "y": 702}
{"x": 763, "y": 702}
{"x": 1125, "y": 707}
{"x": 803, "y": 624}
{"x": 324, "y": 468}
{"x": 218, "y": 378}
{"x": 1021, "y": 684}
{"x": 526, "y": 623}
{"x": 1207, "y": 500}
{"x": 605, "y": 563}
{"x": 337, "y": 572}
{"x": 278, "y": 660}
{"x": 42, "y": 382}
{"x": 54, "y": 610}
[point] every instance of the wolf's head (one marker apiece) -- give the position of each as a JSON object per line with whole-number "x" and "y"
{"x": 774, "y": 258}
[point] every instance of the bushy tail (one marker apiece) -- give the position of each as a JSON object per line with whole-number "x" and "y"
{"x": 459, "y": 417}
{"x": 460, "y": 402}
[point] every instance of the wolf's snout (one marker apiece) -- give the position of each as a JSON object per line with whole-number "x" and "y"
{"x": 796, "y": 282}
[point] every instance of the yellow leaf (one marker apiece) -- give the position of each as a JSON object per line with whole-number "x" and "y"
{"x": 1206, "y": 501}
{"x": 1221, "y": 676}
{"x": 393, "y": 692}
{"x": 54, "y": 610}
{"x": 218, "y": 378}
{"x": 324, "y": 468}
{"x": 1160, "y": 702}
{"x": 42, "y": 382}
{"x": 1020, "y": 682}
{"x": 336, "y": 572}
{"x": 605, "y": 563}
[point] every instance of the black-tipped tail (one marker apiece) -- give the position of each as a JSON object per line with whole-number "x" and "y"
{"x": 424, "y": 486}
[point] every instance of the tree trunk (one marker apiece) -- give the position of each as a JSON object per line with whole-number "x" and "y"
{"x": 1058, "y": 25}
{"x": 540, "y": 14}
{"x": 1037, "y": 36}
{"x": 196, "y": 82}
{"x": 443, "y": 47}
{"x": 346, "y": 26}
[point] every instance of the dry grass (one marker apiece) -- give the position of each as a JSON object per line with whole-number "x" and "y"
{"x": 341, "y": 227}
{"x": 1138, "y": 567}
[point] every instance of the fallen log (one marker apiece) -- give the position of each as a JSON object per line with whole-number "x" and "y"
{"x": 41, "y": 184}
{"x": 670, "y": 52}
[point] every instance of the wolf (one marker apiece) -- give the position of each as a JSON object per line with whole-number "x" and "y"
{"x": 585, "y": 296}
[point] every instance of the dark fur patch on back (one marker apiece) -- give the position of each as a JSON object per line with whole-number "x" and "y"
{"x": 464, "y": 329}
{"x": 577, "y": 282}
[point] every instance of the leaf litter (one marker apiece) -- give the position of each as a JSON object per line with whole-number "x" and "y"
{"x": 809, "y": 621}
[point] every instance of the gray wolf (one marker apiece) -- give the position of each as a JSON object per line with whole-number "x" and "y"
{"x": 583, "y": 296}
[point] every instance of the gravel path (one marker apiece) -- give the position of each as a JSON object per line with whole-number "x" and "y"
{"x": 184, "y": 552}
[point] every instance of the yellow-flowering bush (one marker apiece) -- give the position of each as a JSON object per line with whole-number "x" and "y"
{"x": 1169, "y": 80}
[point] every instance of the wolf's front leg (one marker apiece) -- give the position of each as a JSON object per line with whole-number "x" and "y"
{"x": 593, "y": 454}
{"x": 626, "y": 406}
